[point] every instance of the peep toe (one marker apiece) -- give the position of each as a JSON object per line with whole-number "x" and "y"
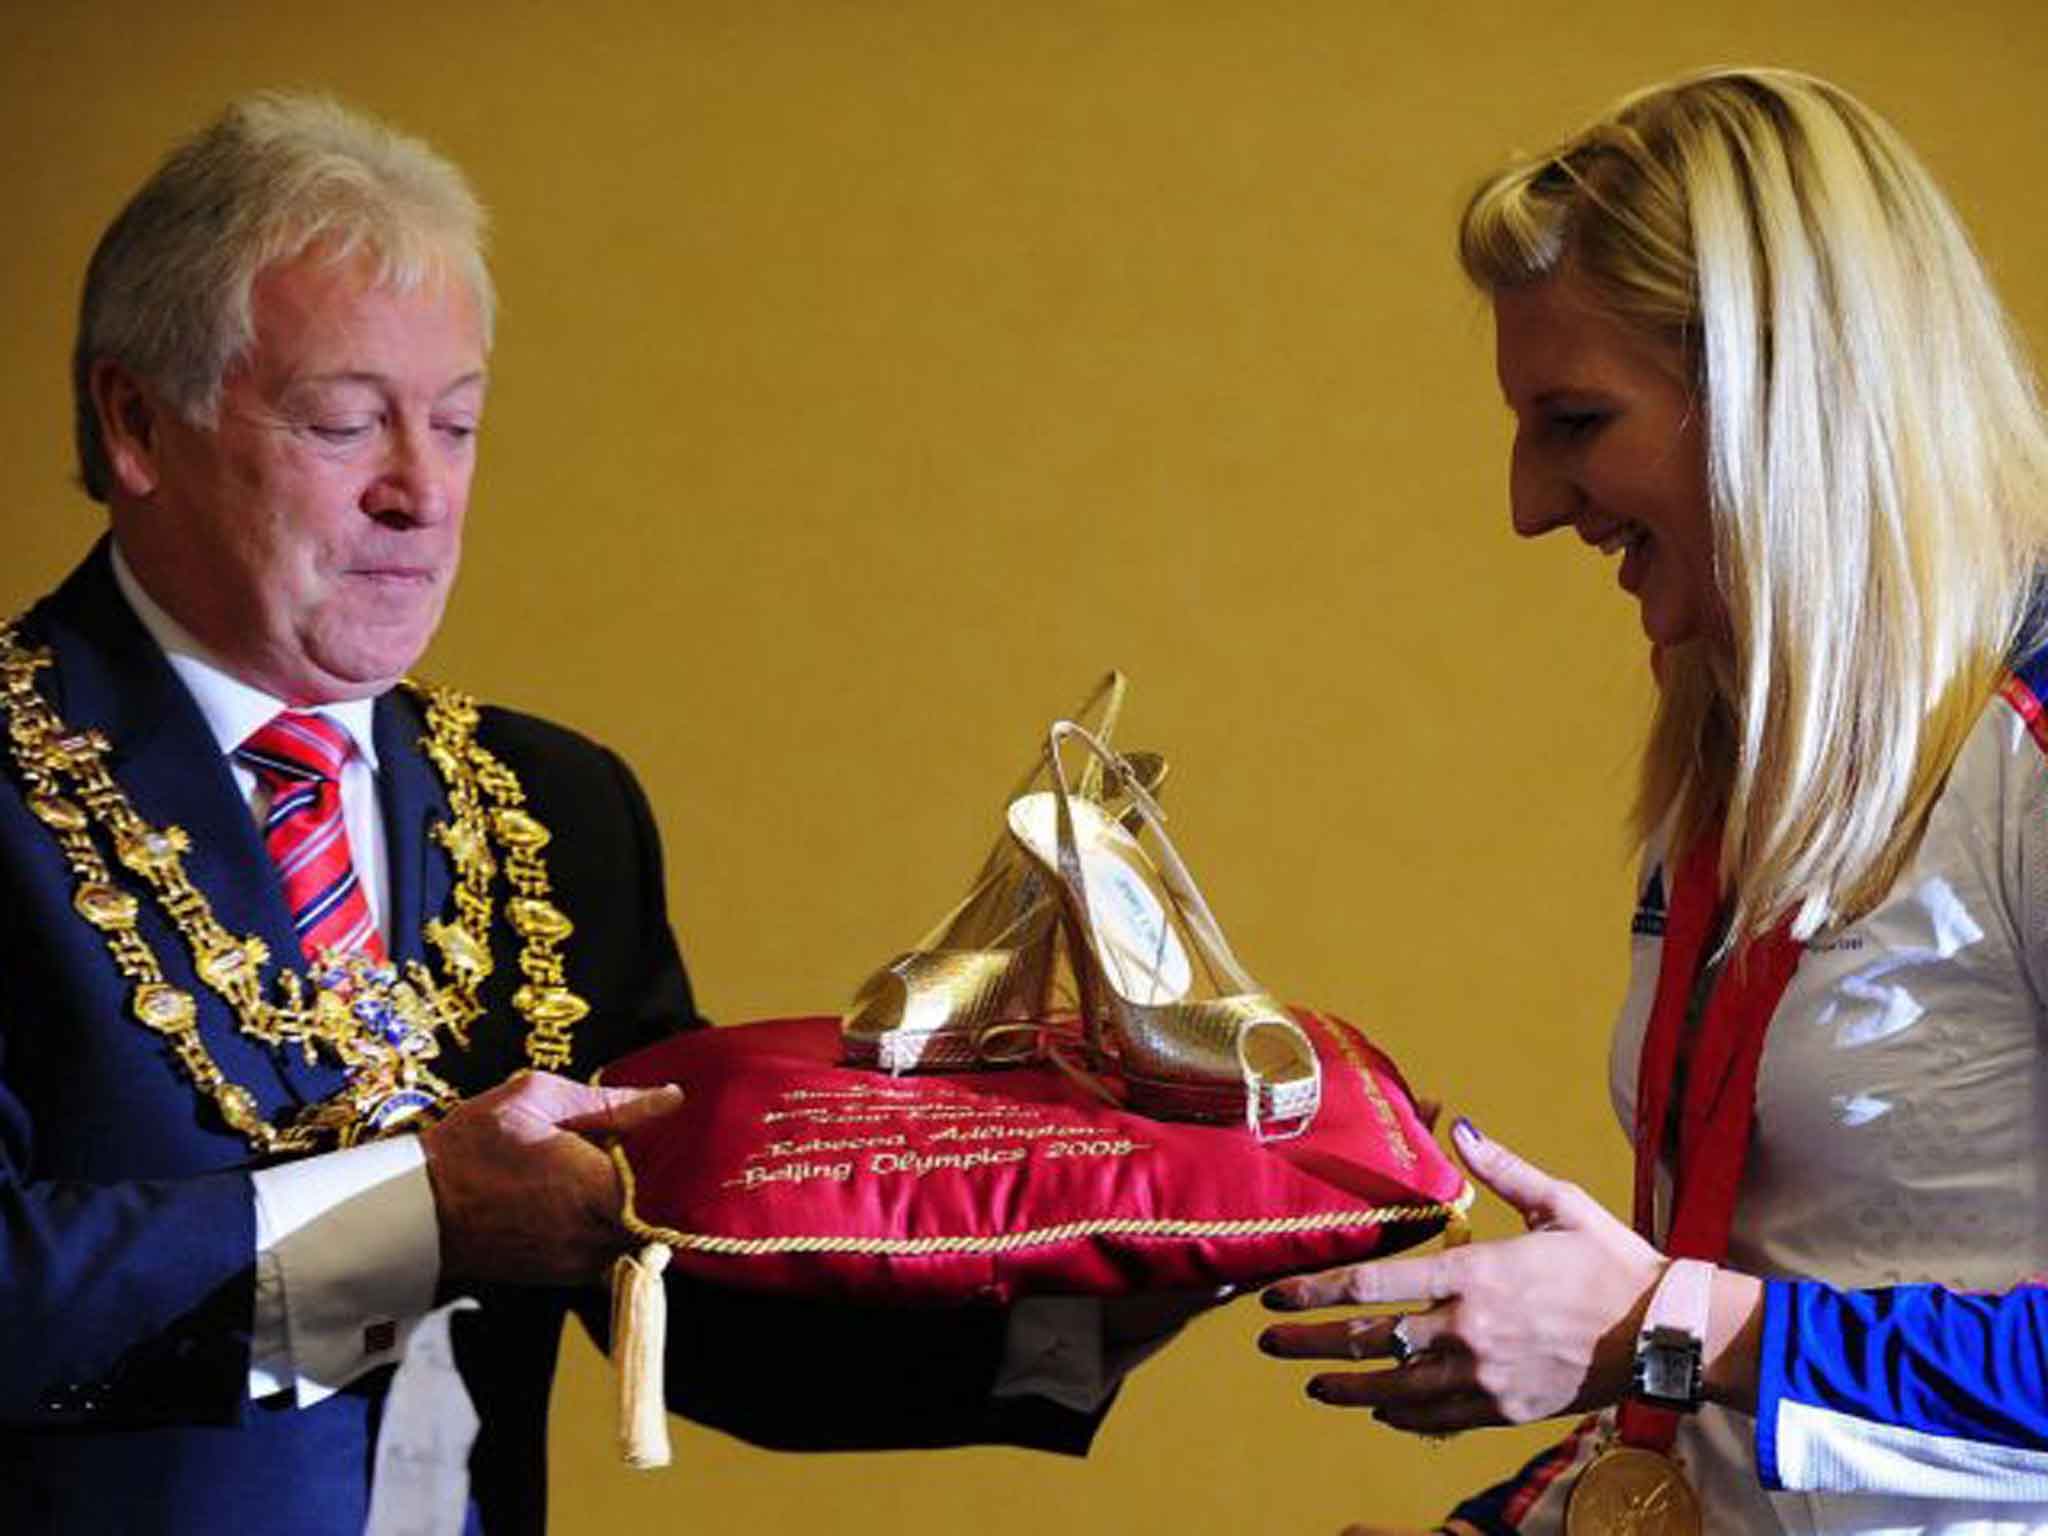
{"x": 983, "y": 985}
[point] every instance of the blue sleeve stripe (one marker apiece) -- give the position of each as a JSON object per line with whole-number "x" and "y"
{"x": 1935, "y": 1361}
{"x": 1770, "y": 1380}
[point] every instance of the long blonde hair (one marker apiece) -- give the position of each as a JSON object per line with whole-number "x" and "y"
{"x": 1877, "y": 463}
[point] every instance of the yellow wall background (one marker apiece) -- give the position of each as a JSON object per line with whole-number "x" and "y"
{"x": 871, "y": 376}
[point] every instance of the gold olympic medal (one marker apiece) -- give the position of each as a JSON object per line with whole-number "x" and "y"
{"x": 1630, "y": 1491}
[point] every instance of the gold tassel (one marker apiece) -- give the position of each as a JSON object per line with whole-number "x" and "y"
{"x": 639, "y": 1340}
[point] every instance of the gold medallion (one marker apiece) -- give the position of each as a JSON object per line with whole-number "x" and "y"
{"x": 538, "y": 919}
{"x": 460, "y": 951}
{"x": 164, "y": 1008}
{"x": 218, "y": 967}
{"x": 56, "y": 811}
{"x": 105, "y": 906}
{"x": 518, "y": 829}
{"x": 1631, "y": 1491}
{"x": 554, "y": 1006}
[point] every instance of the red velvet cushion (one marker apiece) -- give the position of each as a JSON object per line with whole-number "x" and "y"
{"x": 787, "y": 1171}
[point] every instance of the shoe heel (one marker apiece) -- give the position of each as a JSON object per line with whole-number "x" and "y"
{"x": 977, "y": 989}
{"x": 1192, "y": 1035}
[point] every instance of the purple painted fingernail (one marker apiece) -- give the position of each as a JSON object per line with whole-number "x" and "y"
{"x": 1317, "y": 1390}
{"x": 1465, "y": 1130}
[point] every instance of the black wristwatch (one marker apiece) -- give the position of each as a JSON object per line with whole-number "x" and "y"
{"x": 1670, "y": 1366}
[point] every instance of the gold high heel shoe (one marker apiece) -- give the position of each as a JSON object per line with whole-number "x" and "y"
{"x": 976, "y": 989}
{"x": 1207, "y": 1046}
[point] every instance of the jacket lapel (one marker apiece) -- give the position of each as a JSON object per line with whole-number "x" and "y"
{"x": 413, "y": 801}
{"x": 111, "y": 676}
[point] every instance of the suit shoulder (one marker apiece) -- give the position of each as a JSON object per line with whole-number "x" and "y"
{"x": 511, "y": 731}
{"x": 561, "y": 768}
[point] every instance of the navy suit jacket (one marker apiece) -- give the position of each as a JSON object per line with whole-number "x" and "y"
{"x": 126, "y": 1209}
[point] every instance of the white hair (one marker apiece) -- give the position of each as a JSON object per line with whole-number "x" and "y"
{"x": 276, "y": 176}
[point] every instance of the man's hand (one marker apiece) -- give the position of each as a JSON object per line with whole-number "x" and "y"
{"x": 521, "y": 1192}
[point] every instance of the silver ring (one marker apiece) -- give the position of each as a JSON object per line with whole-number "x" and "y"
{"x": 1398, "y": 1345}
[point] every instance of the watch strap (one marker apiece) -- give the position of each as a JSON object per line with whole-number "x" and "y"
{"x": 1669, "y": 1375}
{"x": 1682, "y": 1299}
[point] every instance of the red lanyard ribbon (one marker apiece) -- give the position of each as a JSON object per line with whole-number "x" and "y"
{"x": 1717, "y": 1110}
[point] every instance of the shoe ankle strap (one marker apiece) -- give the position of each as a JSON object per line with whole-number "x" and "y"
{"x": 1180, "y": 884}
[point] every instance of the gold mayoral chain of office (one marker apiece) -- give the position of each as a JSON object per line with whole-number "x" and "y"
{"x": 380, "y": 1022}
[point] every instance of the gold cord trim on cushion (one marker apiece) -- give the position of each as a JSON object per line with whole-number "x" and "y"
{"x": 1008, "y": 1242}
{"x": 639, "y": 1306}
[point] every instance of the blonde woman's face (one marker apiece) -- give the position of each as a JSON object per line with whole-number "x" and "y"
{"x": 1609, "y": 443}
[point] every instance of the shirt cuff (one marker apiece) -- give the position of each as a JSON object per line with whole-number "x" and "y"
{"x": 347, "y": 1255}
{"x": 1054, "y": 1351}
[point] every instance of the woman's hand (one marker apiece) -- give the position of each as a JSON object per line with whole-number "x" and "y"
{"x": 1518, "y": 1329}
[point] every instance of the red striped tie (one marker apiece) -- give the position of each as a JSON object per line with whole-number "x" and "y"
{"x": 297, "y": 758}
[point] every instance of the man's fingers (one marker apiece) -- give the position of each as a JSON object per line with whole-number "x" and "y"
{"x": 618, "y": 1111}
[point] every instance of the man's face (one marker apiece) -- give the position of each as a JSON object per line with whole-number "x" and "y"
{"x": 310, "y": 539}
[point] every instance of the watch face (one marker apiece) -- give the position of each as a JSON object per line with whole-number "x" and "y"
{"x": 1668, "y": 1369}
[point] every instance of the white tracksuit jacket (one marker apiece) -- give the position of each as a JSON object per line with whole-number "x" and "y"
{"x": 1896, "y": 1196}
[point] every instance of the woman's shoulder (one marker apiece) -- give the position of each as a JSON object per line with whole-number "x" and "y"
{"x": 2023, "y": 686}
{"x": 2023, "y": 689}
